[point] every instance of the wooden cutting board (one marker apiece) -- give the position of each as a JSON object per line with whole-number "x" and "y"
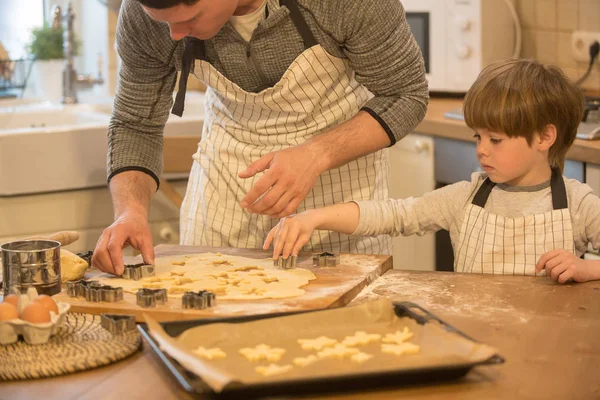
{"x": 334, "y": 287}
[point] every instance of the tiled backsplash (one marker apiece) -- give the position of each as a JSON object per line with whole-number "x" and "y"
{"x": 547, "y": 27}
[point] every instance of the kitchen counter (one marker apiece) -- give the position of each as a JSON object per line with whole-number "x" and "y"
{"x": 435, "y": 124}
{"x": 547, "y": 332}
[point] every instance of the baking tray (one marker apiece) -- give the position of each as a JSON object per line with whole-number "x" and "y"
{"x": 362, "y": 381}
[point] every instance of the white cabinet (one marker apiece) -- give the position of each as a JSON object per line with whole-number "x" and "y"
{"x": 412, "y": 175}
{"x": 88, "y": 211}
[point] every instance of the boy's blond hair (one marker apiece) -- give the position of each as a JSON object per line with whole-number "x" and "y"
{"x": 522, "y": 97}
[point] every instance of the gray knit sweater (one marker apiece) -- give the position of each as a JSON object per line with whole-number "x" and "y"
{"x": 373, "y": 35}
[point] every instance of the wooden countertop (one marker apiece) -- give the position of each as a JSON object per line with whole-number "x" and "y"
{"x": 435, "y": 124}
{"x": 548, "y": 333}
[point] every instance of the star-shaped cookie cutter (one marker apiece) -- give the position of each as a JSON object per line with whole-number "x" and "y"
{"x": 136, "y": 272}
{"x": 86, "y": 256}
{"x": 117, "y": 324}
{"x": 285, "y": 263}
{"x": 198, "y": 300}
{"x": 325, "y": 259}
{"x": 149, "y": 298}
{"x": 94, "y": 291}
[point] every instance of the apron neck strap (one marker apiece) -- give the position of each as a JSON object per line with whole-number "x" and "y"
{"x": 307, "y": 37}
{"x": 483, "y": 193}
{"x": 557, "y": 187}
{"x": 559, "y": 191}
{"x": 194, "y": 49}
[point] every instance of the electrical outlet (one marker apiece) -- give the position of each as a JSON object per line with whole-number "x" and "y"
{"x": 580, "y": 45}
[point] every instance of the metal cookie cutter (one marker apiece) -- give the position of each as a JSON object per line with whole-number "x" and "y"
{"x": 285, "y": 263}
{"x": 137, "y": 271}
{"x": 117, "y": 324}
{"x": 149, "y": 298}
{"x": 325, "y": 259}
{"x": 94, "y": 291}
{"x": 87, "y": 256}
{"x": 198, "y": 300}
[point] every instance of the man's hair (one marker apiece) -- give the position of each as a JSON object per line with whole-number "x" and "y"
{"x": 162, "y": 4}
{"x": 523, "y": 97}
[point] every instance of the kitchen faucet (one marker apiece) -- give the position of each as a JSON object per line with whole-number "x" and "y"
{"x": 71, "y": 80}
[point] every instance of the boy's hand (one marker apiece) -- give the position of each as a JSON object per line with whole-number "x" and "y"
{"x": 562, "y": 265}
{"x": 290, "y": 234}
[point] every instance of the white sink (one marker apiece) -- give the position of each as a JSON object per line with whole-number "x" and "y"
{"x": 49, "y": 118}
{"x": 47, "y": 147}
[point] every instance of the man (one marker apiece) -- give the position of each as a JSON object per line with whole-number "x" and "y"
{"x": 302, "y": 98}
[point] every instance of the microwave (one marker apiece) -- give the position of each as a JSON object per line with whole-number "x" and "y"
{"x": 458, "y": 38}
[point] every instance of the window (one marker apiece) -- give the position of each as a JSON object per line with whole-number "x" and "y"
{"x": 17, "y": 19}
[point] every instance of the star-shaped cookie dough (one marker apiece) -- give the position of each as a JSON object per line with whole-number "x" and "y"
{"x": 209, "y": 354}
{"x": 338, "y": 351}
{"x": 361, "y": 338}
{"x": 273, "y": 369}
{"x": 399, "y": 349}
{"x": 262, "y": 352}
{"x": 304, "y": 361}
{"x": 398, "y": 337}
{"x": 317, "y": 344}
{"x": 361, "y": 357}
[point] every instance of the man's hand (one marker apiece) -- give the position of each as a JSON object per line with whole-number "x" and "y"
{"x": 131, "y": 194}
{"x": 562, "y": 266}
{"x": 290, "y": 174}
{"x": 131, "y": 228}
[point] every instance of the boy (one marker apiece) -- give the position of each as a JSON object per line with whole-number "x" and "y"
{"x": 520, "y": 216}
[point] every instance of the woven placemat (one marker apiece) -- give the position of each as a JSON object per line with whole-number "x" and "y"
{"x": 79, "y": 345}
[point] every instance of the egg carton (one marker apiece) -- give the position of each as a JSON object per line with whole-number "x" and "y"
{"x": 33, "y": 333}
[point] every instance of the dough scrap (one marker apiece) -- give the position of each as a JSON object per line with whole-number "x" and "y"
{"x": 179, "y": 289}
{"x": 399, "y": 349}
{"x": 304, "y": 361}
{"x": 361, "y": 338}
{"x": 152, "y": 285}
{"x": 221, "y": 262}
{"x": 338, "y": 351}
{"x": 361, "y": 357}
{"x": 317, "y": 344}
{"x": 214, "y": 353}
{"x": 180, "y": 263}
{"x": 150, "y": 279}
{"x": 262, "y": 352}
{"x": 273, "y": 369}
{"x": 398, "y": 337}
{"x": 248, "y": 268}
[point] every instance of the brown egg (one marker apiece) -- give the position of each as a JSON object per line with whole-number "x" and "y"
{"x": 35, "y": 313}
{"x": 12, "y": 299}
{"x": 8, "y": 312}
{"x": 47, "y": 302}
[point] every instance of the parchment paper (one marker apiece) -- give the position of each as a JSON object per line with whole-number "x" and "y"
{"x": 438, "y": 347}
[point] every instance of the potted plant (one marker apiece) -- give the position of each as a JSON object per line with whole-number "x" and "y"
{"x": 46, "y": 46}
